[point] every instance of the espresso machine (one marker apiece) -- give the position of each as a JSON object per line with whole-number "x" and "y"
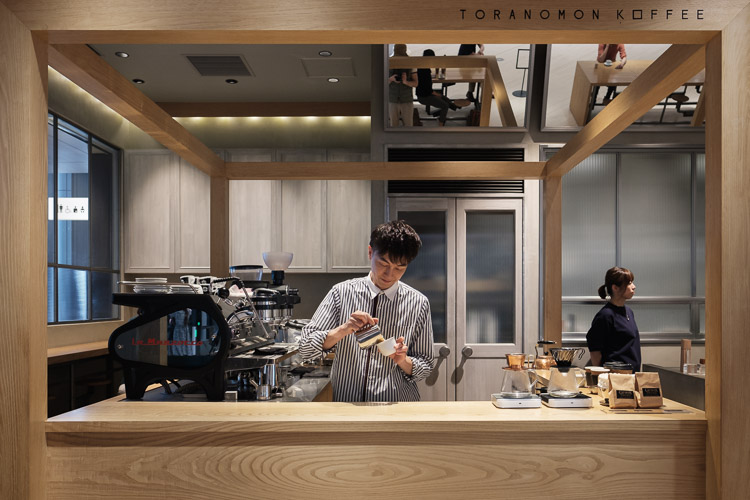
{"x": 216, "y": 332}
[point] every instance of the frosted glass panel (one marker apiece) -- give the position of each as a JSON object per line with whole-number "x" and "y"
{"x": 655, "y": 222}
{"x": 577, "y": 318}
{"x": 662, "y": 318}
{"x": 700, "y": 225}
{"x": 428, "y": 272}
{"x": 72, "y": 295}
{"x": 588, "y": 220}
{"x": 490, "y": 277}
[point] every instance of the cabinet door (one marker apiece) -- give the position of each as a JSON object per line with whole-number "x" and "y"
{"x": 193, "y": 244}
{"x": 348, "y": 218}
{"x": 149, "y": 181}
{"x": 254, "y": 213}
{"x": 303, "y": 222}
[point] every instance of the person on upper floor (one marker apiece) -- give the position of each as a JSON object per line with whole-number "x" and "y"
{"x": 609, "y": 52}
{"x": 430, "y": 97}
{"x": 401, "y": 84}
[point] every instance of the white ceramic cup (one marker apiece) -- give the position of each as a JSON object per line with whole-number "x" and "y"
{"x": 387, "y": 347}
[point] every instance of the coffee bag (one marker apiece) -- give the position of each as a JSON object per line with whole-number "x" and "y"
{"x": 648, "y": 386}
{"x": 622, "y": 391}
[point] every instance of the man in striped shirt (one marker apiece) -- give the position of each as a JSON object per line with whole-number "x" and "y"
{"x": 380, "y": 298}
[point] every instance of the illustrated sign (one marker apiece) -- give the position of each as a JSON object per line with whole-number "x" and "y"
{"x": 68, "y": 209}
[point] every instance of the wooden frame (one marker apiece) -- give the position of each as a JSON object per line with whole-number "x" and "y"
{"x": 28, "y": 26}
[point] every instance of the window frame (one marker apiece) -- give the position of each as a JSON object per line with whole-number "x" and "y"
{"x": 696, "y": 303}
{"x": 117, "y": 154}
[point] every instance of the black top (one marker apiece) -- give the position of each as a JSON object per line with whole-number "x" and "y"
{"x": 467, "y": 49}
{"x": 614, "y": 333}
{"x": 424, "y": 82}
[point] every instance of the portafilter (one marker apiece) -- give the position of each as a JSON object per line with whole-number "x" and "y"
{"x": 564, "y": 355}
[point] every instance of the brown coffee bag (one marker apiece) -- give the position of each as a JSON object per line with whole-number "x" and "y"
{"x": 648, "y": 386}
{"x": 622, "y": 391}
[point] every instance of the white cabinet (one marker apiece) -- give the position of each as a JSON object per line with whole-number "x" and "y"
{"x": 326, "y": 224}
{"x": 348, "y": 219}
{"x": 254, "y": 212}
{"x": 166, "y": 214}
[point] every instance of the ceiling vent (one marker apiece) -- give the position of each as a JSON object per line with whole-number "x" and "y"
{"x": 220, "y": 65}
{"x": 328, "y": 67}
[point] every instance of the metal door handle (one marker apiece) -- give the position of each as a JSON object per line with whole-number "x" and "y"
{"x": 444, "y": 351}
{"x": 467, "y": 351}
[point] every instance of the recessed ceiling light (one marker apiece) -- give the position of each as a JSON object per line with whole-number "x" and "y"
{"x": 325, "y": 53}
{"x": 231, "y": 81}
{"x": 333, "y": 80}
{"x": 122, "y": 54}
{"x": 138, "y": 81}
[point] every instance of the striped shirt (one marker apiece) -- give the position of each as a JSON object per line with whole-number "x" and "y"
{"x": 405, "y": 312}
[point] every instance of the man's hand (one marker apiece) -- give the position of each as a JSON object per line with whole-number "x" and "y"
{"x": 357, "y": 320}
{"x": 400, "y": 358}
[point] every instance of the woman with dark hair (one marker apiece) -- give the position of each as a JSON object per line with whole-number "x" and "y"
{"x": 613, "y": 335}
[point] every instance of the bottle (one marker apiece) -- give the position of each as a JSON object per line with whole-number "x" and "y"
{"x": 441, "y": 71}
{"x": 685, "y": 348}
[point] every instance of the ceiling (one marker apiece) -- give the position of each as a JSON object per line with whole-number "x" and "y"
{"x": 279, "y": 73}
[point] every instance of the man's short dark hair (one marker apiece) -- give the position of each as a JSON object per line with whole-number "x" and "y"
{"x": 396, "y": 239}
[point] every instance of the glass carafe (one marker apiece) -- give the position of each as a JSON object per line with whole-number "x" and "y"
{"x": 518, "y": 383}
{"x": 565, "y": 381}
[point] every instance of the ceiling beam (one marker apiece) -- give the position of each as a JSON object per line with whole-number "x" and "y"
{"x": 86, "y": 69}
{"x": 418, "y": 170}
{"x": 71, "y": 35}
{"x": 242, "y": 109}
{"x": 671, "y": 70}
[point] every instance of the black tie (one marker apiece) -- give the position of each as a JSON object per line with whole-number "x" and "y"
{"x": 369, "y": 352}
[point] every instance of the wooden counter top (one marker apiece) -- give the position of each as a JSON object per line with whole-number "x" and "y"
{"x": 197, "y": 450}
{"x": 112, "y": 414}
{"x": 56, "y": 355}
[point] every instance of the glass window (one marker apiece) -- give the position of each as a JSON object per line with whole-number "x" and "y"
{"x": 430, "y": 225}
{"x": 83, "y": 225}
{"x": 490, "y": 277}
{"x": 644, "y": 211}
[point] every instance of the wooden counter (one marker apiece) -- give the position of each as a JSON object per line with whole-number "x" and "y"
{"x": 193, "y": 450}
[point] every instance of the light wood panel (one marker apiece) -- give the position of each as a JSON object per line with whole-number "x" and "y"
{"x": 386, "y": 171}
{"x": 672, "y": 69}
{"x": 219, "y": 231}
{"x": 193, "y": 234}
{"x": 184, "y": 109}
{"x": 23, "y": 258}
{"x": 728, "y": 259}
{"x": 552, "y": 250}
{"x": 408, "y": 36}
{"x": 699, "y": 115}
{"x": 150, "y": 197}
{"x": 433, "y": 450}
{"x": 57, "y": 355}
{"x": 501, "y": 94}
{"x": 90, "y": 72}
{"x": 354, "y": 21}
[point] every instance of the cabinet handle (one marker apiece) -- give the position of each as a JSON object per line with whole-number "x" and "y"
{"x": 467, "y": 351}
{"x": 444, "y": 351}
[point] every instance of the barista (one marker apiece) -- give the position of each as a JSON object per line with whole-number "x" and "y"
{"x": 380, "y": 298}
{"x": 614, "y": 335}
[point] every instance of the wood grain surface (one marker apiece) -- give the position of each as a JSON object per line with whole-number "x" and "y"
{"x": 423, "y": 170}
{"x": 362, "y": 21}
{"x": 23, "y": 258}
{"x": 728, "y": 259}
{"x": 342, "y": 450}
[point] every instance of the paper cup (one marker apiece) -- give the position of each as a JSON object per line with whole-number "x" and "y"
{"x": 387, "y": 347}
